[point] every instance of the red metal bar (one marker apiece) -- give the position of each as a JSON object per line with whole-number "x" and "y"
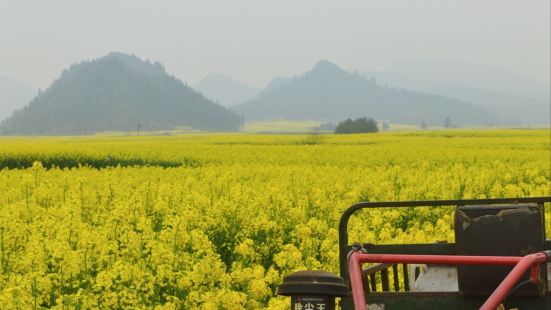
{"x": 512, "y": 278}
{"x": 534, "y": 273}
{"x": 521, "y": 266}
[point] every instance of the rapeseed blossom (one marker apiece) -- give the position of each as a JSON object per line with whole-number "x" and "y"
{"x": 215, "y": 221}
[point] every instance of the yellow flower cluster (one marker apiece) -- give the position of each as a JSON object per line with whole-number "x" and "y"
{"x": 205, "y": 221}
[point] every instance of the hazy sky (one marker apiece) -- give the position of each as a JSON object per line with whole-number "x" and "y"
{"x": 255, "y": 40}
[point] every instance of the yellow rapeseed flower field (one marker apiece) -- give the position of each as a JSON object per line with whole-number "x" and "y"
{"x": 214, "y": 221}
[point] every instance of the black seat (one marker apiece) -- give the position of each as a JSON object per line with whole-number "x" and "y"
{"x": 500, "y": 230}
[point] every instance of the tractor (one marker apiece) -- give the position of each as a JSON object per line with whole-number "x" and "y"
{"x": 501, "y": 259}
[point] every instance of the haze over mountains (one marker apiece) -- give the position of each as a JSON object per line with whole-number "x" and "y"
{"x": 512, "y": 97}
{"x": 275, "y": 83}
{"x": 425, "y": 75}
{"x": 224, "y": 90}
{"x": 121, "y": 92}
{"x": 13, "y": 95}
{"x": 331, "y": 93}
{"x": 118, "y": 92}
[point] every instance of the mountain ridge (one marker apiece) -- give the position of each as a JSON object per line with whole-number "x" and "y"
{"x": 328, "y": 92}
{"x": 512, "y": 97}
{"x": 118, "y": 91}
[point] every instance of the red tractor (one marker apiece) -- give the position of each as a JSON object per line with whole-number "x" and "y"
{"x": 501, "y": 259}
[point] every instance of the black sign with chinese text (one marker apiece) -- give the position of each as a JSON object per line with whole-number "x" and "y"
{"x": 312, "y": 303}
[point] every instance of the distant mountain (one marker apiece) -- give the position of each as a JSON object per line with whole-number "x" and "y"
{"x": 514, "y": 98}
{"x": 276, "y": 83}
{"x": 511, "y": 109}
{"x": 224, "y": 90}
{"x": 13, "y": 95}
{"x": 331, "y": 93}
{"x": 426, "y": 75}
{"x": 118, "y": 92}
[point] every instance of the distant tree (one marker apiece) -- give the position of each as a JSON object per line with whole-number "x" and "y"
{"x": 346, "y": 126}
{"x": 360, "y": 125}
{"x": 423, "y": 125}
{"x": 371, "y": 126}
{"x": 386, "y": 125}
{"x": 447, "y": 122}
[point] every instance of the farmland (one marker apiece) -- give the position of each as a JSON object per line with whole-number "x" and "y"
{"x": 214, "y": 221}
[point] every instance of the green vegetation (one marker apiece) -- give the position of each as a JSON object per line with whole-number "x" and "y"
{"x": 360, "y": 125}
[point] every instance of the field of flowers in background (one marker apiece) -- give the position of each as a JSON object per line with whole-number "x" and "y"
{"x": 215, "y": 221}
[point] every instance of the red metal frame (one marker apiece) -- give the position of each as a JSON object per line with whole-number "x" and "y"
{"x": 522, "y": 264}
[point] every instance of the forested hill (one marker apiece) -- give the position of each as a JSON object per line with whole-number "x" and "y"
{"x": 329, "y": 92}
{"x": 117, "y": 92}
